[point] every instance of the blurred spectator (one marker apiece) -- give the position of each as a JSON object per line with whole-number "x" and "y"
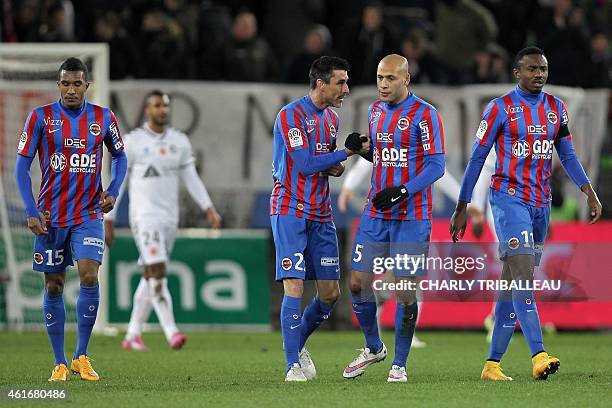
{"x": 516, "y": 22}
{"x": 58, "y": 23}
{"x": 600, "y": 64}
{"x": 317, "y": 42}
{"x": 187, "y": 16}
{"x": 463, "y": 28}
{"x": 123, "y": 53}
{"x": 365, "y": 42}
{"x": 215, "y": 25}
{"x": 288, "y": 21}
{"x": 162, "y": 46}
{"x": 27, "y": 20}
{"x": 492, "y": 65}
{"x": 564, "y": 37}
{"x": 246, "y": 56}
{"x": 422, "y": 63}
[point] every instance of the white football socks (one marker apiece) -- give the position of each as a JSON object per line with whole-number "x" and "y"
{"x": 162, "y": 303}
{"x": 141, "y": 309}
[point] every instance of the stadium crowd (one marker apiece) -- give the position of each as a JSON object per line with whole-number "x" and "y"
{"x": 446, "y": 41}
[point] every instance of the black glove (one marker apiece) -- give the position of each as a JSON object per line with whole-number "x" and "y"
{"x": 353, "y": 141}
{"x": 389, "y": 197}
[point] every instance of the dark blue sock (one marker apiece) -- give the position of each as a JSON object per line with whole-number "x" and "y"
{"x": 365, "y": 310}
{"x": 405, "y": 323}
{"x": 314, "y": 314}
{"x": 290, "y": 317}
{"x": 503, "y": 328}
{"x": 527, "y": 313}
{"x": 55, "y": 317}
{"x": 87, "y": 310}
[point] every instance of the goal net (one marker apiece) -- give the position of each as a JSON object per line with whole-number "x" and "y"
{"x": 28, "y": 74}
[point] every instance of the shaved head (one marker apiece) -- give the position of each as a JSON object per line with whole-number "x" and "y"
{"x": 392, "y": 79}
{"x": 395, "y": 62}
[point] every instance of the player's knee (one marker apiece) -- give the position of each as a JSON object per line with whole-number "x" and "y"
{"x": 293, "y": 287}
{"x": 54, "y": 287}
{"x": 155, "y": 287}
{"x": 330, "y": 297}
{"x": 406, "y": 297}
{"x": 358, "y": 286}
{"x": 521, "y": 266}
{"x": 89, "y": 277}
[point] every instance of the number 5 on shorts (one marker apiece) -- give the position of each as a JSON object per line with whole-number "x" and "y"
{"x": 357, "y": 257}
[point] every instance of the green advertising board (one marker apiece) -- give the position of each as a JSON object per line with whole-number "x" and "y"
{"x": 216, "y": 278}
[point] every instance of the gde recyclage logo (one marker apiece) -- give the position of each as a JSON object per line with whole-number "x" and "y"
{"x": 541, "y": 149}
{"x": 520, "y": 148}
{"x": 57, "y": 161}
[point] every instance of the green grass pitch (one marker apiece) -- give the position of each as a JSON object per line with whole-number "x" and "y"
{"x": 246, "y": 369}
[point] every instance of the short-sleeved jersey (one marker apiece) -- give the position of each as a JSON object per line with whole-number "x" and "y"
{"x": 301, "y": 125}
{"x": 524, "y": 129}
{"x": 70, "y": 157}
{"x": 155, "y": 161}
{"x": 402, "y": 135}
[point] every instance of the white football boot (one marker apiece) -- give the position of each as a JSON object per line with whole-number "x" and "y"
{"x": 417, "y": 343}
{"x": 363, "y": 360}
{"x": 308, "y": 367}
{"x": 295, "y": 374}
{"x": 397, "y": 374}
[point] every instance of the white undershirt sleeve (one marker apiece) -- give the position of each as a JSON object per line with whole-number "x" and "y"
{"x": 449, "y": 186}
{"x": 195, "y": 186}
{"x": 360, "y": 169}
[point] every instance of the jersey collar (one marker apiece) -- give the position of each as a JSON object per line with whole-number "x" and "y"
{"x": 402, "y": 103}
{"x": 529, "y": 97}
{"x": 153, "y": 133}
{"x": 311, "y": 104}
{"x": 73, "y": 113}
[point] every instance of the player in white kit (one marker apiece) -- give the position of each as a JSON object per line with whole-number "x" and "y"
{"x": 158, "y": 156}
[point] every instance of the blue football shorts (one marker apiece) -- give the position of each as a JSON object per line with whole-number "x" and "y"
{"x": 521, "y": 228}
{"x": 305, "y": 249}
{"x": 55, "y": 251}
{"x": 378, "y": 240}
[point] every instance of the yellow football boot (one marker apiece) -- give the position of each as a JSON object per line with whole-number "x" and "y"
{"x": 83, "y": 367}
{"x": 544, "y": 365}
{"x": 60, "y": 373}
{"x": 492, "y": 371}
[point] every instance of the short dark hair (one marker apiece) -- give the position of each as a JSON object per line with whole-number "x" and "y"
{"x": 323, "y": 67}
{"x": 526, "y": 51}
{"x": 73, "y": 64}
{"x": 155, "y": 92}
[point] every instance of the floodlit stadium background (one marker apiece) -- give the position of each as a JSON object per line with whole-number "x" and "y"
{"x": 229, "y": 70}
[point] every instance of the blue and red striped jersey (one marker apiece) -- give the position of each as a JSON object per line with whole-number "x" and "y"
{"x": 301, "y": 125}
{"x": 524, "y": 128}
{"x": 70, "y": 156}
{"x": 402, "y": 135}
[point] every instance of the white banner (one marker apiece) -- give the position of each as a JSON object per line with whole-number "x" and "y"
{"x": 230, "y": 125}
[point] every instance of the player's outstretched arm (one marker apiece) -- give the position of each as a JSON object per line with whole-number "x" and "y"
{"x": 119, "y": 165}
{"x": 109, "y": 218}
{"x": 335, "y": 171}
{"x": 308, "y": 164}
{"x": 37, "y": 222}
{"x": 486, "y": 135}
{"x": 197, "y": 191}
{"x": 573, "y": 168}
